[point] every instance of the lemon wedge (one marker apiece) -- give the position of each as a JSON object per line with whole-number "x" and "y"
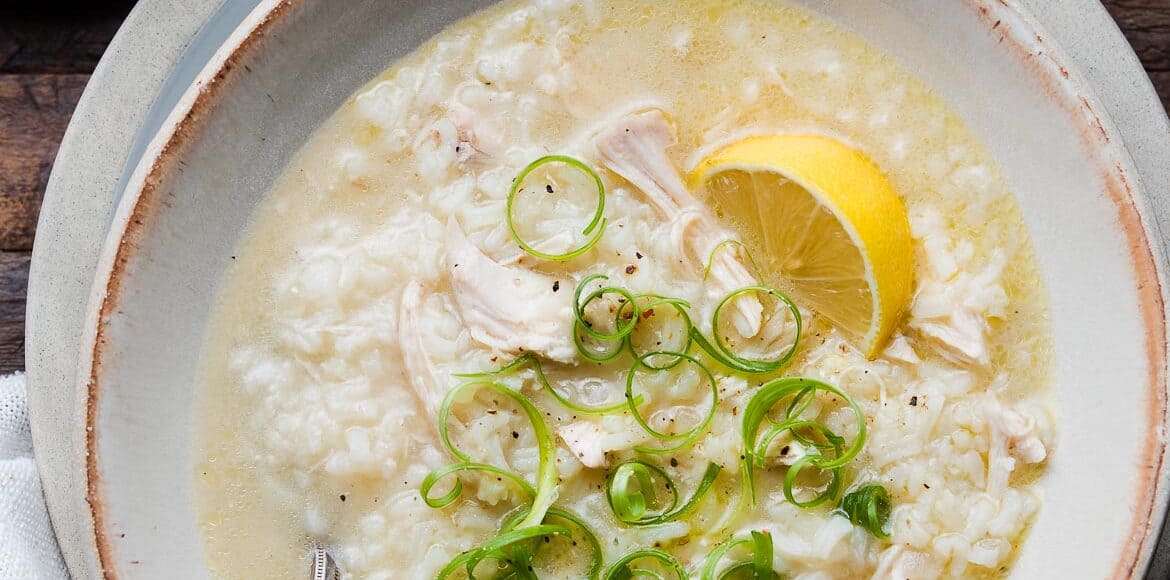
{"x": 830, "y": 225}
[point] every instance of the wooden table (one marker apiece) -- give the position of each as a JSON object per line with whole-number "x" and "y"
{"x": 46, "y": 55}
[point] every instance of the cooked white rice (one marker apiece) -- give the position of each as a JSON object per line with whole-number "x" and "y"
{"x": 311, "y": 431}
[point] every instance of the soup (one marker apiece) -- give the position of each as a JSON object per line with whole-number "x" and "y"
{"x": 523, "y": 306}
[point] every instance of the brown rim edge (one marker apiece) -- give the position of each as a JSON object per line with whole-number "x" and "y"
{"x": 208, "y": 88}
{"x": 1049, "y": 72}
{"x": 1036, "y": 54}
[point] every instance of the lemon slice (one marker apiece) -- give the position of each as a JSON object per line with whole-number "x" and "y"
{"x": 829, "y": 223}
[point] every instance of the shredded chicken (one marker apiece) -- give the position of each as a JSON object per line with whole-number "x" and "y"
{"x": 901, "y": 351}
{"x": 635, "y": 148}
{"x": 954, "y": 300}
{"x": 1018, "y": 434}
{"x": 509, "y": 309}
{"x": 420, "y": 373}
{"x": 478, "y": 137}
{"x": 590, "y": 441}
{"x": 898, "y": 563}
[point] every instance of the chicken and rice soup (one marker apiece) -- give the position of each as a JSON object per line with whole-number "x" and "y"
{"x": 603, "y": 288}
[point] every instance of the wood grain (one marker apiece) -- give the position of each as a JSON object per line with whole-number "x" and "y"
{"x": 35, "y": 110}
{"x": 13, "y": 285}
{"x": 1146, "y": 24}
{"x": 57, "y": 36}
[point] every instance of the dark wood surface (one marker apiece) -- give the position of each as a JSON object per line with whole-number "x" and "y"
{"x": 48, "y": 49}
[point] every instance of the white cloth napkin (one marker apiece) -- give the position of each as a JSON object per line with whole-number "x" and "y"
{"x": 28, "y": 549}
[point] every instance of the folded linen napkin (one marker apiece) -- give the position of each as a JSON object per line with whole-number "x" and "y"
{"x": 28, "y": 549}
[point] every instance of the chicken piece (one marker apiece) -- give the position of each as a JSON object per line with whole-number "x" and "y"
{"x": 1017, "y": 434}
{"x": 899, "y": 563}
{"x": 420, "y": 374}
{"x": 479, "y": 136}
{"x": 590, "y": 441}
{"x": 635, "y": 148}
{"x": 512, "y": 310}
{"x": 955, "y": 298}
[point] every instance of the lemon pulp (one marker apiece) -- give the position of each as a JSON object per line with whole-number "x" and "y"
{"x": 831, "y": 226}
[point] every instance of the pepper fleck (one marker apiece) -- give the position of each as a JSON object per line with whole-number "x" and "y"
{"x": 914, "y": 401}
{"x": 673, "y": 462}
{"x": 638, "y": 254}
{"x": 342, "y": 496}
{"x": 515, "y": 435}
{"x": 631, "y": 269}
{"x": 556, "y": 285}
{"x": 548, "y": 188}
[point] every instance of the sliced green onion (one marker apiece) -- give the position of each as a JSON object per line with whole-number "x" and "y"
{"x": 760, "y": 565}
{"x": 449, "y": 498}
{"x": 521, "y": 556}
{"x": 722, "y": 352}
{"x": 869, "y": 507}
{"x": 624, "y": 569}
{"x": 495, "y": 549}
{"x": 654, "y": 301}
{"x": 596, "y": 226}
{"x": 729, "y": 242}
{"x": 533, "y": 362}
{"x": 686, "y": 438}
{"x": 623, "y": 323}
{"x": 543, "y": 493}
{"x": 830, "y": 455}
{"x": 631, "y": 493}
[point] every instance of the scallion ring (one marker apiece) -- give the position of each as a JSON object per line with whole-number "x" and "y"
{"x": 594, "y": 229}
{"x": 623, "y": 568}
{"x": 545, "y": 490}
{"x": 624, "y": 323}
{"x": 869, "y": 507}
{"x": 760, "y": 565}
{"x": 719, "y": 350}
{"x": 652, "y": 302}
{"x": 449, "y": 498}
{"x": 630, "y": 490}
{"x": 686, "y": 438}
{"x": 495, "y": 548}
{"x": 729, "y": 242}
{"x": 533, "y": 362}
{"x": 627, "y": 298}
{"x": 521, "y": 556}
{"x": 830, "y": 455}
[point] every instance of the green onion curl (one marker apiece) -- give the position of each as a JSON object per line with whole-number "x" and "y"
{"x": 594, "y": 229}
{"x": 624, "y": 320}
{"x": 825, "y": 451}
{"x": 543, "y": 493}
{"x": 497, "y": 549}
{"x": 758, "y": 568}
{"x": 653, "y": 302}
{"x": 630, "y": 490}
{"x": 729, "y": 242}
{"x": 719, "y": 350}
{"x": 869, "y": 508}
{"x": 624, "y": 569}
{"x": 522, "y": 555}
{"x": 680, "y": 440}
{"x": 532, "y": 361}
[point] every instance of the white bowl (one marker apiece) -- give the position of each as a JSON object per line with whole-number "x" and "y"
{"x": 121, "y": 502}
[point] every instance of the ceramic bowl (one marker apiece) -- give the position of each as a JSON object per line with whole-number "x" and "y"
{"x": 123, "y": 505}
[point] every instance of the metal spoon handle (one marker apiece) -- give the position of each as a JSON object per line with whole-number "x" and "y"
{"x": 324, "y": 568}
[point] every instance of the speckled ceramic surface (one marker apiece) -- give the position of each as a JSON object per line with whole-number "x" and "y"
{"x": 113, "y": 334}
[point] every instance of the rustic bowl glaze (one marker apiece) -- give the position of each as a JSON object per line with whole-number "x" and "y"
{"x": 112, "y": 385}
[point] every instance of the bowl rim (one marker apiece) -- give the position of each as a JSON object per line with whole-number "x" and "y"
{"x": 1062, "y": 83}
